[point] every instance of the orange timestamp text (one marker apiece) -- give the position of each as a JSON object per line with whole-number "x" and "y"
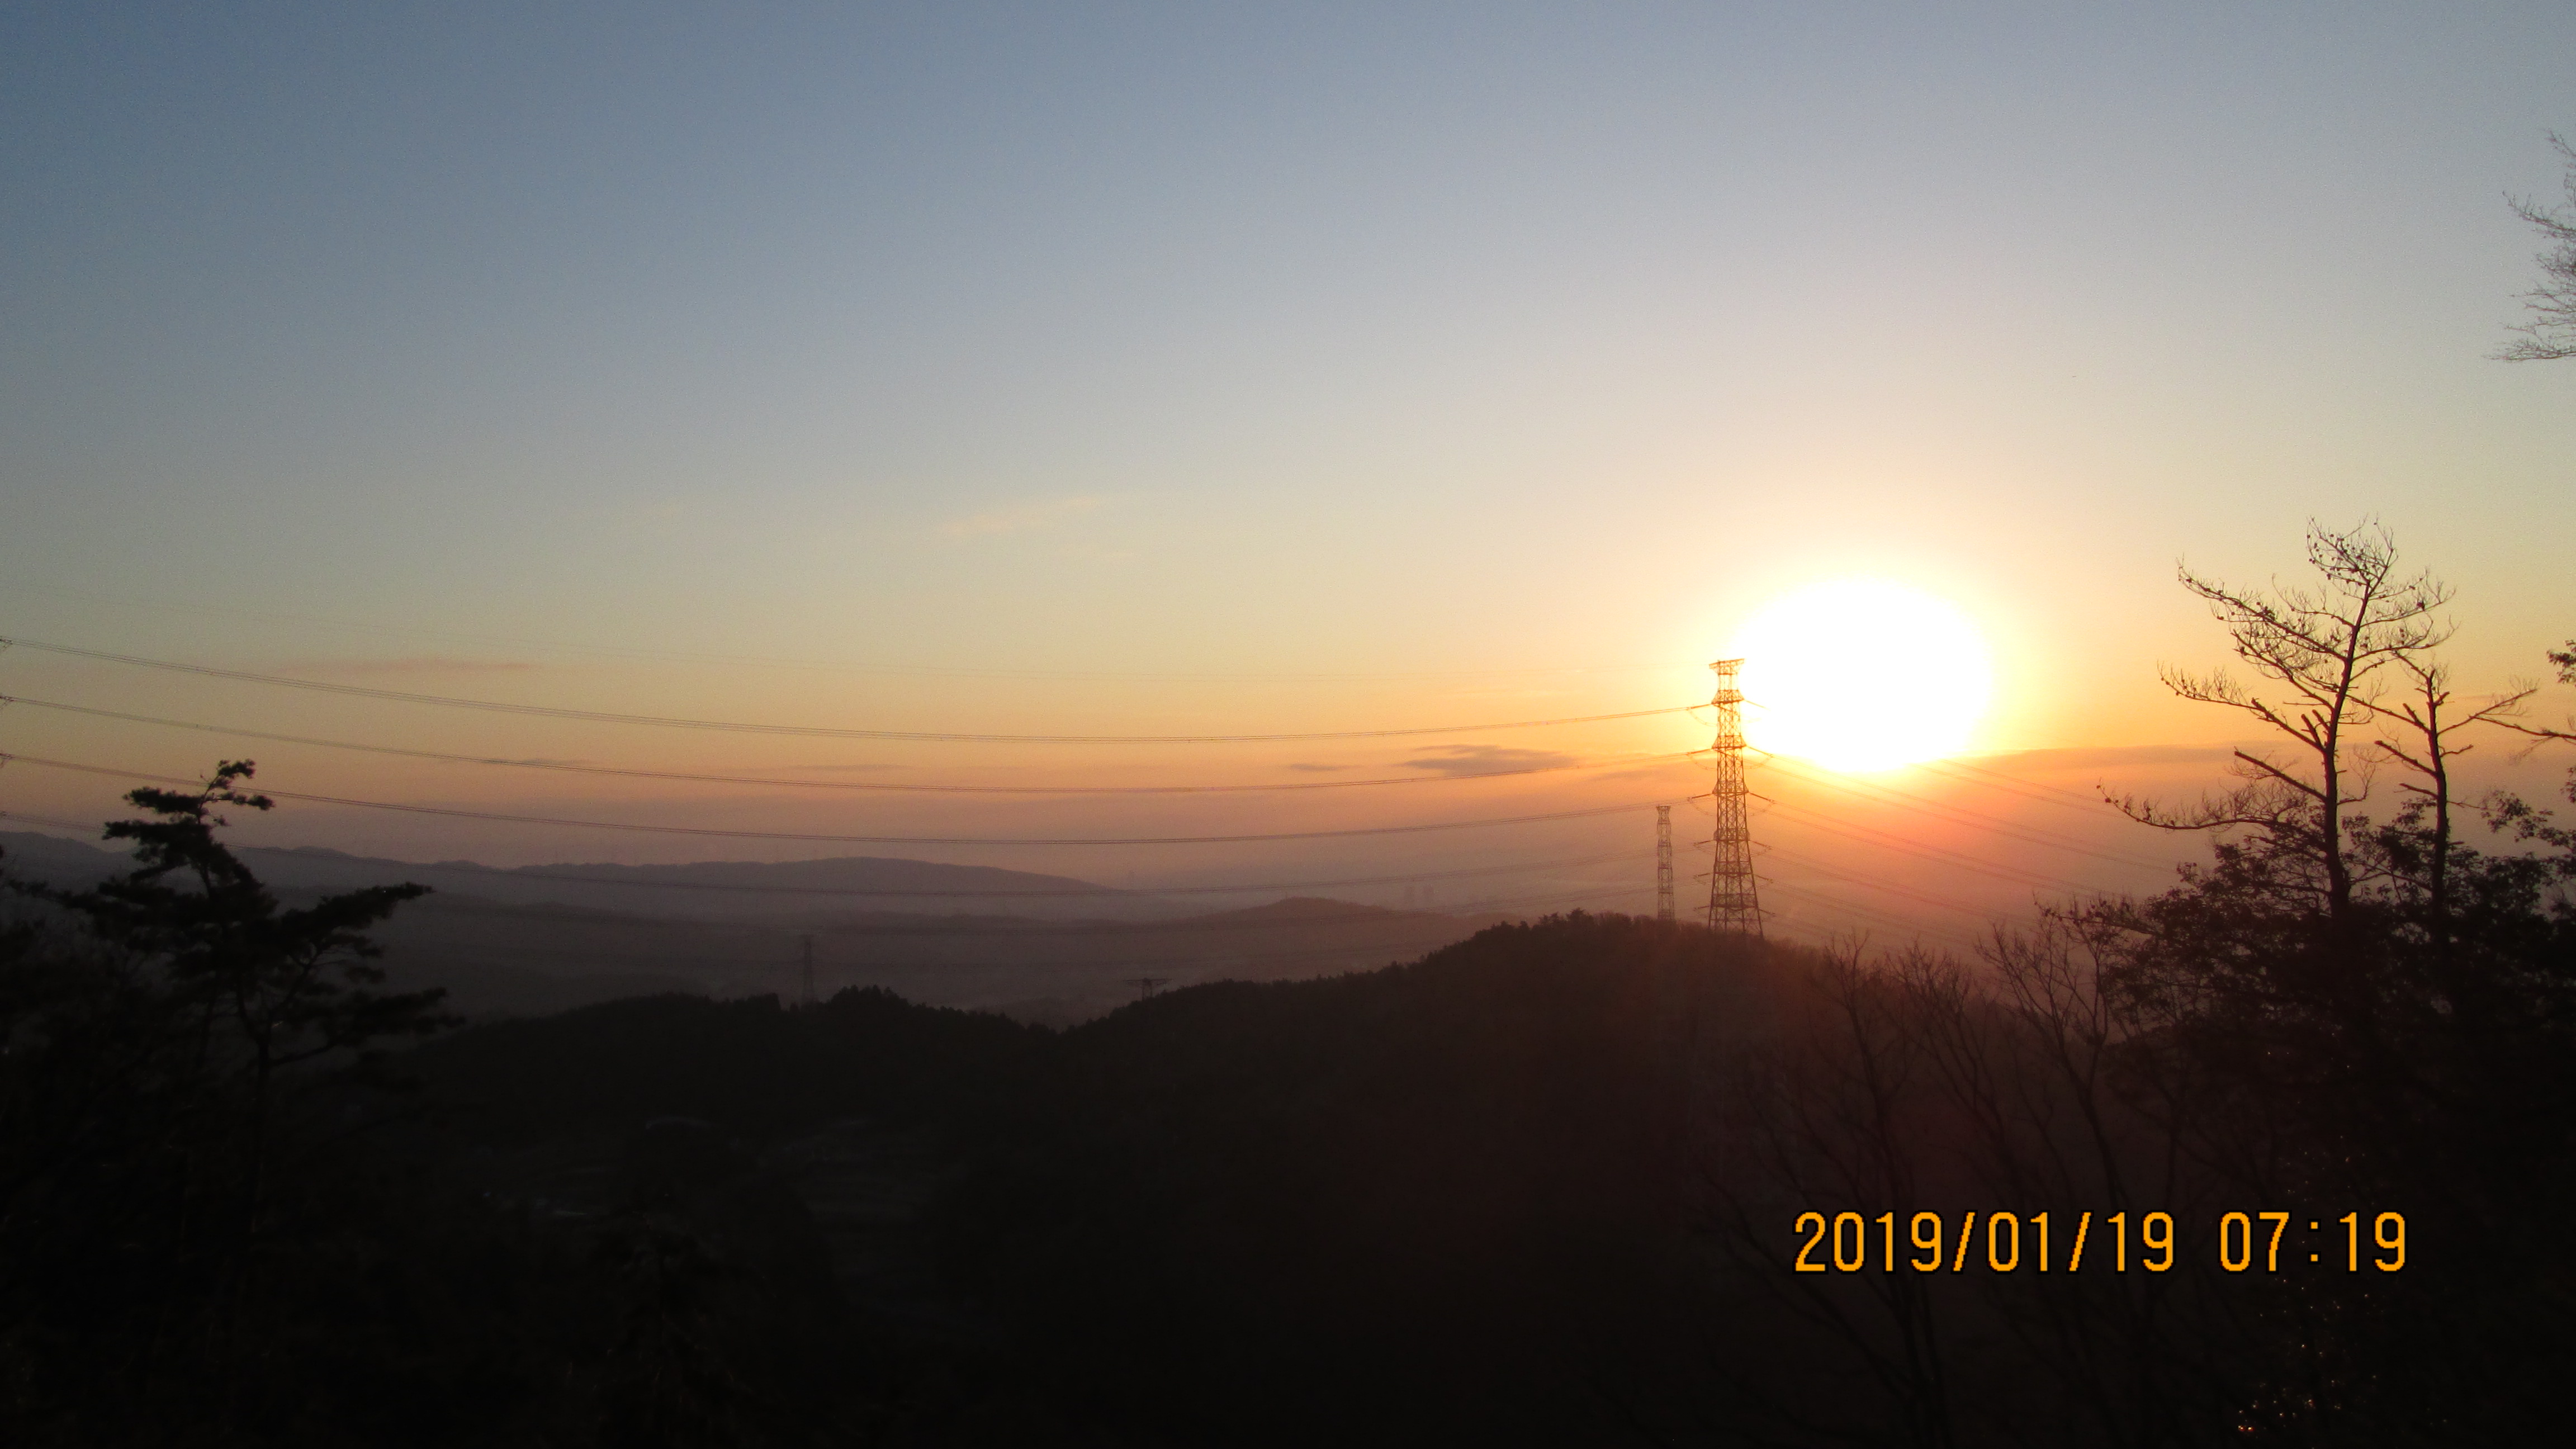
{"x": 2011, "y": 1242}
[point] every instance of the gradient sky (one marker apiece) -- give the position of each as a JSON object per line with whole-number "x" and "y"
{"x": 1149, "y": 368}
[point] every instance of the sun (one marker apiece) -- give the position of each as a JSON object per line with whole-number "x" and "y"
{"x": 1862, "y": 674}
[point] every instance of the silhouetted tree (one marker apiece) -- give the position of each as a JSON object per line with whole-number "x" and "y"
{"x": 2551, "y": 332}
{"x": 2425, "y": 742}
{"x": 2336, "y": 1013}
{"x": 2565, "y": 659}
{"x": 268, "y": 989}
{"x": 2323, "y": 645}
{"x": 150, "y": 1067}
{"x": 2373, "y": 1012}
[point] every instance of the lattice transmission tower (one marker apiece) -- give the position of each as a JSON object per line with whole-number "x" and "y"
{"x": 1663, "y": 862}
{"x": 1732, "y": 907}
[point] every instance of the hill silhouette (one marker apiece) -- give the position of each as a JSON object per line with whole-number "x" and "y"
{"x": 715, "y": 889}
{"x": 549, "y": 938}
{"x": 1446, "y": 1197}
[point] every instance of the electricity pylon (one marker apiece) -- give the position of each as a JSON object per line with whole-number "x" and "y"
{"x": 1732, "y": 907}
{"x": 1663, "y": 862}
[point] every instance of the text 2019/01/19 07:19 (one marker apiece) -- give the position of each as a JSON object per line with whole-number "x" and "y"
{"x": 2246, "y": 1242}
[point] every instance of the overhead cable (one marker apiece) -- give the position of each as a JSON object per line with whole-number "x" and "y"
{"x": 499, "y": 874}
{"x": 1911, "y": 927}
{"x": 1961, "y": 770}
{"x": 592, "y": 716}
{"x": 866, "y": 785}
{"x": 817, "y": 837}
{"x": 1810, "y": 863}
{"x": 1245, "y": 920}
{"x": 1956, "y": 814}
{"x": 1866, "y": 836}
{"x": 199, "y": 610}
{"x": 42, "y": 820}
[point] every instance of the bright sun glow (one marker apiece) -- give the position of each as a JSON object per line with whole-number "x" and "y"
{"x": 1858, "y": 674}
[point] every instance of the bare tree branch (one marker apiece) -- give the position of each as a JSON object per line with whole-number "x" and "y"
{"x": 2321, "y": 649}
{"x": 2551, "y": 332}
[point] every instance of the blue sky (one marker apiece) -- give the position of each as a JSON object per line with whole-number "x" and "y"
{"x": 1391, "y": 352}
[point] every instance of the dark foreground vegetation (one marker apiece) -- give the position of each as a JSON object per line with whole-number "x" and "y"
{"x": 1544, "y": 1186}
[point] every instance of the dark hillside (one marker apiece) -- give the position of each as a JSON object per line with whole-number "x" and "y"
{"x": 752, "y": 1067}
{"x": 1445, "y": 1198}
{"x": 1435, "y": 1196}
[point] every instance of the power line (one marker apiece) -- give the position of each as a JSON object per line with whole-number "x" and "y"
{"x": 1355, "y": 914}
{"x": 195, "y": 610}
{"x": 1217, "y": 890}
{"x": 499, "y": 874}
{"x": 938, "y": 893}
{"x": 927, "y": 893}
{"x": 1962, "y": 771}
{"x": 1861, "y": 834}
{"x": 1957, "y": 814}
{"x": 403, "y": 696}
{"x": 42, "y": 820}
{"x": 1956, "y": 860}
{"x": 816, "y": 837}
{"x": 1810, "y": 863}
{"x": 2013, "y": 875}
{"x": 1864, "y": 835}
{"x": 1911, "y": 927}
{"x": 863, "y": 785}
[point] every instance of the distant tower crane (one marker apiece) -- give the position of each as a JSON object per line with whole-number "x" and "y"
{"x": 1732, "y": 908}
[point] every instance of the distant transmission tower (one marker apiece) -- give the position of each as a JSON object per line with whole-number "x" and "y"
{"x": 1663, "y": 862}
{"x": 1731, "y": 904}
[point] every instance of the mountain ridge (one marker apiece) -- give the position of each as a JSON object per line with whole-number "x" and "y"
{"x": 708, "y": 889}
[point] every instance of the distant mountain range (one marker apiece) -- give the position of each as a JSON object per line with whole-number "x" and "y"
{"x": 737, "y": 889}
{"x": 1040, "y": 947}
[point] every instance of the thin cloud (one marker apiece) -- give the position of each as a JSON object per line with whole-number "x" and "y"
{"x": 1456, "y": 760}
{"x": 1311, "y": 769}
{"x": 1018, "y": 518}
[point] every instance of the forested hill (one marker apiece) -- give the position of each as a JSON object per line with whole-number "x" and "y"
{"x": 1543, "y": 1186}
{"x": 1548, "y": 1185}
{"x": 1447, "y": 1197}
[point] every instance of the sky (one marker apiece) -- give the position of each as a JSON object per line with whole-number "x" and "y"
{"x": 1164, "y": 369}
